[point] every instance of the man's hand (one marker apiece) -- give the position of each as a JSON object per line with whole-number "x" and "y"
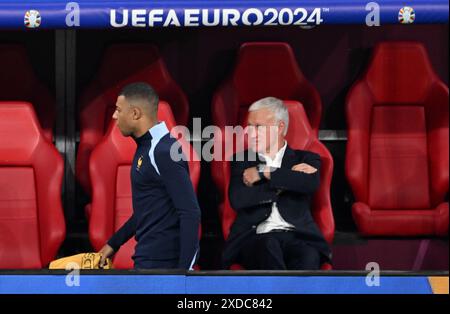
{"x": 106, "y": 252}
{"x": 304, "y": 168}
{"x": 250, "y": 176}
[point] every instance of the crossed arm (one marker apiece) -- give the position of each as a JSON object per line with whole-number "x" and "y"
{"x": 247, "y": 189}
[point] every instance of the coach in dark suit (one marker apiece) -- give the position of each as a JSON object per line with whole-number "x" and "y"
{"x": 270, "y": 190}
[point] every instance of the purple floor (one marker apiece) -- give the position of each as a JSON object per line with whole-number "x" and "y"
{"x": 352, "y": 253}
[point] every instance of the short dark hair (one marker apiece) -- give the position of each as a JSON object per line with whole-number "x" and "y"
{"x": 142, "y": 91}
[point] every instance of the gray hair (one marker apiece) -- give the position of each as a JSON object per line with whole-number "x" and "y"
{"x": 276, "y": 106}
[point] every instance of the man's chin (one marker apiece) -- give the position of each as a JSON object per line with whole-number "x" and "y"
{"x": 126, "y": 134}
{"x": 254, "y": 148}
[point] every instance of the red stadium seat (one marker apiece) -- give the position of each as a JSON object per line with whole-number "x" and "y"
{"x": 32, "y": 225}
{"x": 111, "y": 194}
{"x": 299, "y": 136}
{"x": 397, "y": 160}
{"x": 18, "y": 82}
{"x": 263, "y": 69}
{"x": 122, "y": 64}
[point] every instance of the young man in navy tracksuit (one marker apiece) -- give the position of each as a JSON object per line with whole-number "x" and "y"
{"x": 166, "y": 214}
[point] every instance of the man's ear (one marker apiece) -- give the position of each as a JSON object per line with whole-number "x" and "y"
{"x": 137, "y": 113}
{"x": 281, "y": 127}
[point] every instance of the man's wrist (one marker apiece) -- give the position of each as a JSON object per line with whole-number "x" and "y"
{"x": 264, "y": 171}
{"x": 261, "y": 168}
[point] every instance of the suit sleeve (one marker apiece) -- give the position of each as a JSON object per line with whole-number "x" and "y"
{"x": 295, "y": 181}
{"x": 175, "y": 175}
{"x": 124, "y": 234}
{"x": 244, "y": 197}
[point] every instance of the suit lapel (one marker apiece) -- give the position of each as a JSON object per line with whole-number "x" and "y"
{"x": 289, "y": 159}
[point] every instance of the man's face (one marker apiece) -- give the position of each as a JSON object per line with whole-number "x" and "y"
{"x": 264, "y": 132}
{"x": 124, "y": 116}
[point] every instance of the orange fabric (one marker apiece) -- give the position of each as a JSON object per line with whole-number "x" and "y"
{"x": 83, "y": 260}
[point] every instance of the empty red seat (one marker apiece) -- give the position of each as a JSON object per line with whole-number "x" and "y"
{"x": 299, "y": 136}
{"x": 111, "y": 194}
{"x": 32, "y": 225}
{"x": 263, "y": 69}
{"x": 18, "y": 82}
{"x": 122, "y": 64}
{"x": 397, "y": 160}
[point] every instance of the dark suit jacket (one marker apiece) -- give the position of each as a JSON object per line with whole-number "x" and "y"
{"x": 254, "y": 204}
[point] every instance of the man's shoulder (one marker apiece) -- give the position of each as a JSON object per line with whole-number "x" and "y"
{"x": 305, "y": 155}
{"x": 166, "y": 144}
{"x": 169, "y": 151}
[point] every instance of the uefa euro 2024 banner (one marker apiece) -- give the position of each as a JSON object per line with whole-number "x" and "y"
{"x": 112, "y": 14}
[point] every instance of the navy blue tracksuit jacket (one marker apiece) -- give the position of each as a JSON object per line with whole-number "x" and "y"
{"x": 166, "y": 214}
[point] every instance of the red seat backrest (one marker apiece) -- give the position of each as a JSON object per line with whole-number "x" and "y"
{"x": 122, "y": 64}
{"x": 263, "y": 69}
{"x": 397, "y": 114}
{"x": 32, "y": 225}
{"x": 19, "y": 83}
{"x": 110, "y": 172}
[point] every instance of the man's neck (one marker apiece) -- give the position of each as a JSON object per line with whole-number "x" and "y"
{"x": 144, "y": 128}
{"x": 272, "y": 152}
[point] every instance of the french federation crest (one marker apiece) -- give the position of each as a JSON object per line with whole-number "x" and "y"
{"x": 139, "y": 163}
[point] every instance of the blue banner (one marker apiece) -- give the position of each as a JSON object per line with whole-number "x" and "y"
{"x": 59, "y": 14}
{"x": 133, "y": 282}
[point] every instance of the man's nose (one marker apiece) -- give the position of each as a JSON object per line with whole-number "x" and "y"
{"x": 114, "y": 116}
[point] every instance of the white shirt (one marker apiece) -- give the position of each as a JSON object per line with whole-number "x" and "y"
{"x": 275, "y": 221}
